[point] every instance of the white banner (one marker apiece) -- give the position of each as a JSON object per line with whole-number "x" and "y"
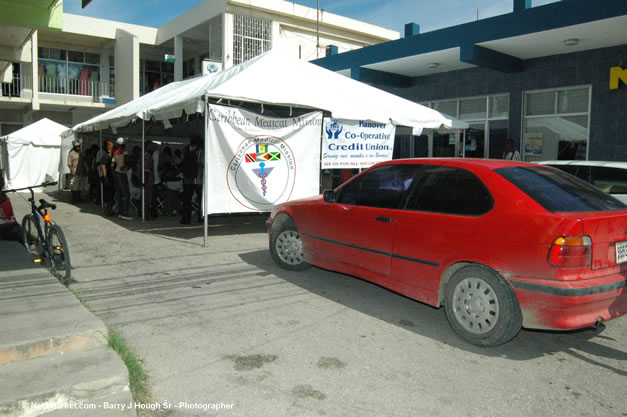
{"x": 257, "y": 162}
{"x": 356, "y": 144}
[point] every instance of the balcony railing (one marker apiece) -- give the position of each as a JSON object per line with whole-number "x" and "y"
{"x": 56, "y": 85}
{"x": 74, "y": 87}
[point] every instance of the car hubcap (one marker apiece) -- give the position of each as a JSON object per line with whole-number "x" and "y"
{"x": 289, "y": 247}
{"x": 475, "y": 305}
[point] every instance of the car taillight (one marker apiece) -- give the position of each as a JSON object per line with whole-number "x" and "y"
{"x": 571, "y": 252}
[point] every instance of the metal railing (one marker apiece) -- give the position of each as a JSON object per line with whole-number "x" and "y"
{"x": 57, "y": 85}
{"x": 74, "y": 87}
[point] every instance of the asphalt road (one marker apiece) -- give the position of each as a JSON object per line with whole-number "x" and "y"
{"x": 223, "y": 326}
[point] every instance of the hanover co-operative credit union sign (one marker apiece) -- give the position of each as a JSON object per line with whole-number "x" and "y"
{"x": 356, "y": 143}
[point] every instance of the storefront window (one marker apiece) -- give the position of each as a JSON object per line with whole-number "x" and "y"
{"x": 488, "y": 118}
{"x": 68, "y": 72}
{"x": 472, "y": 109}
{"x": 556, "y": 125}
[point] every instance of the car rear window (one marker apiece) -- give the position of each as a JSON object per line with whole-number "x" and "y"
{"x": 558, "y": 191}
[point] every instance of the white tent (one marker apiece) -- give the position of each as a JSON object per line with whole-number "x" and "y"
{"x": 32, "y": 155}
{"x": 273, "y": 78}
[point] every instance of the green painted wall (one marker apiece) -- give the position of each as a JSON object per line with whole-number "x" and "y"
{"x": 36, "y": 14}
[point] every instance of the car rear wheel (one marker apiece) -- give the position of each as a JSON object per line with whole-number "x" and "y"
{"x": 481, "y": 307}
{"x": 286, "y": 247}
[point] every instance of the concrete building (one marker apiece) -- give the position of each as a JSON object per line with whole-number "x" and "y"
{"x": 552, "y": 77}
{"x": 70, "y": 68}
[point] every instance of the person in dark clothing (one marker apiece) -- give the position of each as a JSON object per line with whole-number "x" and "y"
{"x": 191, "y": 167}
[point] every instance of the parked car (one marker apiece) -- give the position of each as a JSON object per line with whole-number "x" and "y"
{"x": 500, "y": 244}
{"x": 610, "y": 177}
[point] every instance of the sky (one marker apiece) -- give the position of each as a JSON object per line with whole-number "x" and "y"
{"x": 429, "y": 14}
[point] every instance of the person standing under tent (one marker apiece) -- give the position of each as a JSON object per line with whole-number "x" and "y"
{"x": 119, "y": 164}
{"x": 191, "y": 168}
{"x": 154, "y": 204}
{"x": 77, "y": 164}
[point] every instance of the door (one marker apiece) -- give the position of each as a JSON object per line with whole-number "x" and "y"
{"x": 359, "y": 228}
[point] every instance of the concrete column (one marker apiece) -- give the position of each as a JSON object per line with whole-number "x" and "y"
{"x": 126, "y": 67}
{"x": 178, "y": 53}
{"x": 520, "y": 5}
{"x": 227, "y": 40}
{"x": 104, "y": 72}
{"x": 34, "y": 42}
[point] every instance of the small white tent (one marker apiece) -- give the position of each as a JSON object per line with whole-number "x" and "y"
{"x": 31, "y": 156}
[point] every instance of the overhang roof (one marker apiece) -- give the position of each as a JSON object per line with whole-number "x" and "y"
{"x": 500, "y": 43}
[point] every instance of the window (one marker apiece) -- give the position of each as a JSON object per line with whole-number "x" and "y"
{"x": 68, "y": 72}
{"x": 488, "y": 118}
{"x": 382, "y": 187}
{"x": 449, "y": 190}
{"x": 556, "y": 124}
{"x": 252, "y": 36}
{"x": 610, "y": 180}
{"x": 558, "y": 191}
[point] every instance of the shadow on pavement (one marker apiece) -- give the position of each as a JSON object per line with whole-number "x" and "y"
{"x": 427, "y": 321}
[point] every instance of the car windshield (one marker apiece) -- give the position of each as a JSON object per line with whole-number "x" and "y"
{"x": 558, "y": 191}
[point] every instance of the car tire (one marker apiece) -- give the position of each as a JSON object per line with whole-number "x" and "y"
{"x": 481, "y": 307}
{"x": 286, "y": 247}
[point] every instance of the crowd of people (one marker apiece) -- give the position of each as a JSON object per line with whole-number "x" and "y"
{"x": 171, "y": 179}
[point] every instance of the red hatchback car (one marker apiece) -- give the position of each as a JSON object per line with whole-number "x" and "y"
{"x": 502, "y": 245}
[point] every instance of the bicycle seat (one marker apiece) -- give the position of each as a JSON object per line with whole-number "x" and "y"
{"x": 45, "y": 205}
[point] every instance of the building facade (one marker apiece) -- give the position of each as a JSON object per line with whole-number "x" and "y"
{"x": 553, "y": 78}
{"x": 70, "y": 68}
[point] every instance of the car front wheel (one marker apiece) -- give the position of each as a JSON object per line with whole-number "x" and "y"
{"x": 286, "y": 247}
{"x": 481, "y": 307}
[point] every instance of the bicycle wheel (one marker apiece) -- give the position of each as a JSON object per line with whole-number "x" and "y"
{"x": 59, "y": 255}
{"x": 32, "y": 237}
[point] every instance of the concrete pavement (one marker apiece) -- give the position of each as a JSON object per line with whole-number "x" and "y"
{"x": 54, "y": 358}
{"x": 224, "y": 327}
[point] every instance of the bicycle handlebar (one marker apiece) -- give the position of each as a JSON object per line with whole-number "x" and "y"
{"x": 45, "y": 184}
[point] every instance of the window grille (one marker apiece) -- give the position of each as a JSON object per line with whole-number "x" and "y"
{"x": 252, "y": 36}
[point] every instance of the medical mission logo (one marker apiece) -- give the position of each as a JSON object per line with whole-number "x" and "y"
{"x": 262, "y": 172}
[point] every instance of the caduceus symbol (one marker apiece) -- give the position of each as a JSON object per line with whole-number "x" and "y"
{"x": 263, "y": 174}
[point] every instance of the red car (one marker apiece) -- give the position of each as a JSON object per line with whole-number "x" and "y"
{"x": 500, "y": 244}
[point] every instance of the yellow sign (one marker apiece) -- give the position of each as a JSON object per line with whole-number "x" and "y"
{"x": 616, "y": 74}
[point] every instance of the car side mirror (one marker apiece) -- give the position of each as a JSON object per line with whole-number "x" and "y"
{"x": 329, "y": 196}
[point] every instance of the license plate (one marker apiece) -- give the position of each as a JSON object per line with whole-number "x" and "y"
{"x": 621, "y": 252}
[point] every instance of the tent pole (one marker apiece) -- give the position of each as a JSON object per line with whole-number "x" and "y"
{"x": 143, "y": 179}
{"x": 205, "y": 177}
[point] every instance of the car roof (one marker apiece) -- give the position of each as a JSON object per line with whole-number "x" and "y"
{"x": 609, "y": 164}
{"x": 462, "y": 162}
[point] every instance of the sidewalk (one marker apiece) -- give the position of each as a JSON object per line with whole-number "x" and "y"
{"x": 53, "y": 352}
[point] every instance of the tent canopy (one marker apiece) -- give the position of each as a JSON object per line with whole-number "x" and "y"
{"x": 273, "y": 78}
{"x": 32, "y": 154}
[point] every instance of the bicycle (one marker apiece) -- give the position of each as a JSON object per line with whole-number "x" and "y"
{"x": 45, "y": 243}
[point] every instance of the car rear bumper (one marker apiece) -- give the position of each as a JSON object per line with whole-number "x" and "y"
{"x": 563, "y": 305}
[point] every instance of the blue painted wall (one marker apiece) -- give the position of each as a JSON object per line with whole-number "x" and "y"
{"x": 608, "y": 113}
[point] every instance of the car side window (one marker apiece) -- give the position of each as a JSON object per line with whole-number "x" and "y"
{"x": 450, "y": 190}
{"x": 610, "y": 180}
{"x": 382, "y": 187}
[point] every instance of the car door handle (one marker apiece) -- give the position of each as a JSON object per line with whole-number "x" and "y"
{"x": 384, "y": 219}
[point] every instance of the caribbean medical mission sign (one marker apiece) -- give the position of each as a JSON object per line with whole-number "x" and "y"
{"x": 356, "y": 144}
{"x": 257, "y": 162}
